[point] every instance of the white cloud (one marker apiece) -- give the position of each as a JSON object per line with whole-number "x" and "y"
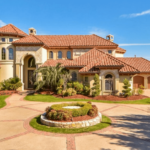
{"x": 134, "y": 44}
{"x": 147, "y": 12}
{"x": 2, "y": 23}
{"x": 99, "y": 32}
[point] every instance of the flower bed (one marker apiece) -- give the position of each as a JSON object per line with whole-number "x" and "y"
{"x": 8, "y": 92}
{"x": 71, "y": 112}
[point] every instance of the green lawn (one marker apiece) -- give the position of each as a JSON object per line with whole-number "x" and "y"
{"x": 2, "y": 100}
{"x": 35, "y": 123}
{"x": 50, "y": 98}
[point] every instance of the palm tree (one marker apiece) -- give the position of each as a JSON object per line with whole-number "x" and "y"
{"x": 49, "y": 76}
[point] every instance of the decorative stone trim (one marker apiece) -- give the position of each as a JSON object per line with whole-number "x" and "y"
{"x": 75, "y": 124}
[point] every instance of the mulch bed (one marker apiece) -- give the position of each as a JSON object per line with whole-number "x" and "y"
{"x": 8, "y": 92}
{"x": 101, "y": 97}
{"x": 79, "y": 118}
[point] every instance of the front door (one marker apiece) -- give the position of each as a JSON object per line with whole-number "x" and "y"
{"x": 31, "y": 79}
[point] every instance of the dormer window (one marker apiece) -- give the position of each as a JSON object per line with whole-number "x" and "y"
{"x": 31, "y": 31}
{"x": 3, "y": 39}
{"x": 110, "y": 52}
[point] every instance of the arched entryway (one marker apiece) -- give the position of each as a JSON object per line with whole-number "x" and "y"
{"x": 28, "y": 70}
{"x": 148, "y": 82}
{"x": 138, "y": 81}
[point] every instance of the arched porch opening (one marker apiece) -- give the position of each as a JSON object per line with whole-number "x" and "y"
{"x": 28, "y": 69}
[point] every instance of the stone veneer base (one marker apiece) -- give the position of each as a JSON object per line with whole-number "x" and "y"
{"x": 75, "y": 124}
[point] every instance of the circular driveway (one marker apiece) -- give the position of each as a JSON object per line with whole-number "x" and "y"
{"x": 130, "y": 128}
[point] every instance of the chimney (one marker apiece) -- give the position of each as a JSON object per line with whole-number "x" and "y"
{"x": 110, "y": 37}
{"x": 32, "y": 31}
{"x": 135, "y": 56}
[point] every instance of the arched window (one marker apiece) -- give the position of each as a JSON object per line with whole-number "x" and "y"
{"x": 3, "y": 54}
{"x": 108, "y": 76}
{"x": 59, "y": 54}
{"x": 74, "y": 76}
{"x": 109, "y": 82}
{"x": 31, "y": 62}
{"x": 68, "y": 55}
{"x": 11, "y": 54}
{"x": 50, "y": 54}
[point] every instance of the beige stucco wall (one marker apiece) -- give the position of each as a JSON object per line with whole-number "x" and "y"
{"x": 7, "y": 67}
{"x": 119, "y": 55}
{"x": 6, "y": 70}
{"x": 55, "y": 53}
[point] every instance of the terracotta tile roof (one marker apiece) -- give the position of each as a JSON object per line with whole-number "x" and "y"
{"x": 140, "y": 63}
{"x": 69, "y": 40}
{"x": 92, "y": 60}
{"x": 11, "y": 29}
{"x": 31, "y": 39}
{"x": 101, "y": 59}
{"x": 119, "y": 49}
{"x": 52, "y": 62}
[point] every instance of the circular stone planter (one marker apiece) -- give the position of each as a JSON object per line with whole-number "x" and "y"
{"x": 75, "y": 124}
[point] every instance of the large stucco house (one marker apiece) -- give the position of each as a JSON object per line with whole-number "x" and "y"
{"x": 83, "y": 55}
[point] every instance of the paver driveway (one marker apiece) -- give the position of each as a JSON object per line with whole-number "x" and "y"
{"x": 130, "y": 129}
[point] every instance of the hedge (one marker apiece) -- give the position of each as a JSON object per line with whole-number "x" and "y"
{"x": 85, "y": 107}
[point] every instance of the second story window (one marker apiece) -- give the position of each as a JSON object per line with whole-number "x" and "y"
{"x": 3, "y": 53}
{"x": 10, "y": 39}
{"x": 68, "y": 55}
{"x": 60, "y": 55}
{"x": 51, "y": 55}
{"x": 3, "y": 39}
{"x": 110, "y": 52}
{"x": 11, "y": 54}
{"x": 86, "y": 79}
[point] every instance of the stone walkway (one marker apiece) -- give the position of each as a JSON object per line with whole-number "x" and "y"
{"x": 130, "y": 128}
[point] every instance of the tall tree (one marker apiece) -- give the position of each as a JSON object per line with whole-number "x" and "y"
{"x": 49, "y": 76}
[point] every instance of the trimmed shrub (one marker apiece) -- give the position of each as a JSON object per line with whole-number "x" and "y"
{"x": 96, "y": 86}
{"x": 127, "y": 89}
{"x": 78, "y": 87}
{"x": 59, "y": 92}
{"x": 69, "y": 85}
{"x": 86, "y": 90}
{"x": 11, "y": 84}
{"x": 94, "y": 111}
{"x": 71, "y": 92}
{"x": 140, "y": 90}
{"x": 64, "y": 92}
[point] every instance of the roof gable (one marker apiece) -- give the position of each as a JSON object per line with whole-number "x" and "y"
{"x": 11, "y": 29}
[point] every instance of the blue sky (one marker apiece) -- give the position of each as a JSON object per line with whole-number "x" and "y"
{"x": 128, "y": 21}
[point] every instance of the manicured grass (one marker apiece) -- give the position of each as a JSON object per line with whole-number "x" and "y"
{"x": 35, "y": 123}
{"x": 50, "y": 98}
{"x": 2, "y": 100}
